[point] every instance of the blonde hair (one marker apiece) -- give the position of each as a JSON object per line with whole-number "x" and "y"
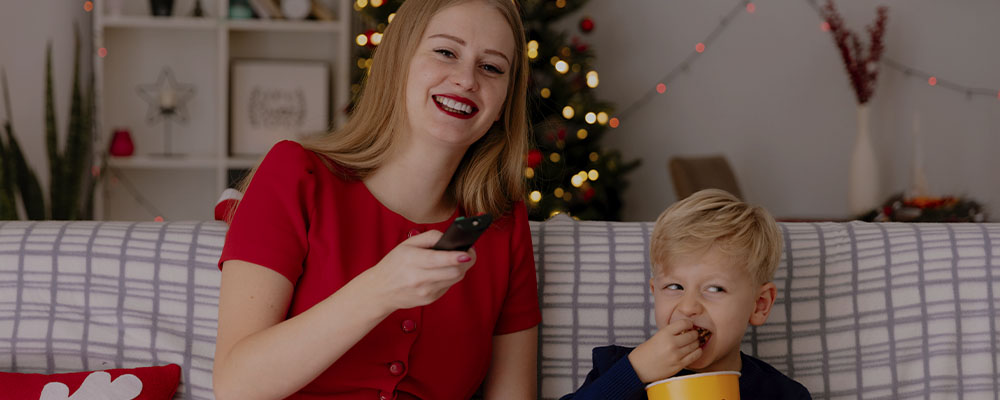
{"x": 490, "y": 176}
{"x": 714, "y": 217}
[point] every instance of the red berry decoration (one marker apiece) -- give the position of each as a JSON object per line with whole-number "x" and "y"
{"x": 534, "y": 158}
{"x": 586, "y": 24}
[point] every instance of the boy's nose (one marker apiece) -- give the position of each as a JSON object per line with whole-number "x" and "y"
{"x": 690, "y": 306}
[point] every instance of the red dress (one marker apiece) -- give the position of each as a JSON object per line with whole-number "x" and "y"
{"x": 320, "y": 230}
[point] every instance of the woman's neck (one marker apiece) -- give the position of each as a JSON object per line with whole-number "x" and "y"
{"x": 414, "y": 180}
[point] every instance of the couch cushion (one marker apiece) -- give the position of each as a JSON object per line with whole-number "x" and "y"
{"x": 96, "y": 295}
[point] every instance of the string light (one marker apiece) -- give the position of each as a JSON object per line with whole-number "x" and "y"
{"x": 590, "y": 117}
{"x": 613, "y": 122}
{"x": 529, "y": 172}
{"x": 361, "y": 40}
{"x": 535, "y": 196}
{"x": 546, "y": 93}
{"x": 592, "y": 79}
{"x": 932, "y": 81}
{"x": 554, "y": 213}
{"x": 700, "y": 47}
{"x": 560, "y": 3}
{"x": 102, "y": 52}
{"x": 567, "y": 196}
{"x": 533, "y": 49}
{"x": 602, "y": 118}
{"x": 751, "y": 8}
{"x": 568, "y": 112}
{"x": 594, "y": 156}
{"x": 88, "y": 6}
{"x": 376, "y": 3}
{"x": 593, "y": 175}
{"x": 158, "y": 219}
{"x": 361, "y": 63}
{"x": 661, "y": 88}
{"x": 554, "y": 157}
{"x": 361, "y": 3}
{"x": 577, "y": 180}
{"x": 562, "y": 66}
{"x": 376, "y": 38}
{"x": 558, "y": 192}
{"x": 391, "y": 17}
{"x": 581, "y": 134}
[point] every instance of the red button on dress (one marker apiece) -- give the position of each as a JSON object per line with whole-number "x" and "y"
{"x": 409, "y": 326}
{"x": 387, "y": 395}
{"x": 396, "y": 368}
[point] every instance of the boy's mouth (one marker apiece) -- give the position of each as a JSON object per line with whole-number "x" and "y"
{"x": 703, "y": 336}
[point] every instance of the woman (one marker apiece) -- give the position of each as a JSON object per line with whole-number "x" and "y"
{"x": 329, "y": 285}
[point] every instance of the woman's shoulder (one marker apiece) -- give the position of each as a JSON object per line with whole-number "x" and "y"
{"x": 292, "y": 157}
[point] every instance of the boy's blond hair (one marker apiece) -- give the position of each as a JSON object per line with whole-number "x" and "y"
{"x": 716, "y": 217}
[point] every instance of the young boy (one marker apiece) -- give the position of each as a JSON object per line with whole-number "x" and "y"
{"x": 713, "y": 258}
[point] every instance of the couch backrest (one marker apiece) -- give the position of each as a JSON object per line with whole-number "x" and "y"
{"x": 863, "y": 310}
{"x": 912, "y": 305}
{"x": 96, "y": 295}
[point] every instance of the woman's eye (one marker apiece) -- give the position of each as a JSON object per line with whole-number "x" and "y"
{"x": 445, "y": 52}
{"x": 492, "y": 68}
{"x": 673, "y": 286}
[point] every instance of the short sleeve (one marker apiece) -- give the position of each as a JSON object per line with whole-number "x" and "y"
{"x": 271, "y": 222}
{"x": 520, "y": 309}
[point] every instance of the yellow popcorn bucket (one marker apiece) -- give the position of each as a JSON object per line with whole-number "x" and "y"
{"x": 724, "y": 385}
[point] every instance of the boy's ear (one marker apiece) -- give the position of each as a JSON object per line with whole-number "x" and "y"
{"x": 762, "y": 304}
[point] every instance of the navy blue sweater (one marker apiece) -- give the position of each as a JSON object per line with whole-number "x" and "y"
{"x": 613, "y": 378}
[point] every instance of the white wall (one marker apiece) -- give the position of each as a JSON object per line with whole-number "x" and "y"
{"x": 26, "y": 27}
{"x": 772, "y": 94}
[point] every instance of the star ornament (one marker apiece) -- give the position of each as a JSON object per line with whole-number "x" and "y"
{"x": 166, "y": 98}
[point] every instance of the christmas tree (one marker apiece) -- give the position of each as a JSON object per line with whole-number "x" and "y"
{"x": 568, "y": 171}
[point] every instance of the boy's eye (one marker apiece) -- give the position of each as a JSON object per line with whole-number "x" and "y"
{"x": 673, "y": 286}
{"x": 716, "y": 289}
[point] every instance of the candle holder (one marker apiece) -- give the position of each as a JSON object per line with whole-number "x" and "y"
{"x": 166, "y": 99}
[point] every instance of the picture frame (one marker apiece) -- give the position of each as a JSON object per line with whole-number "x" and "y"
{"x": 274, "y": 100}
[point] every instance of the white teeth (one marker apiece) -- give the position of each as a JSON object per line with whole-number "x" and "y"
{"x": 452, "y": 105}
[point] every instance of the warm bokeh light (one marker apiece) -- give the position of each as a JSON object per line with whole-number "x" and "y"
{"x": 602, "y": 118}
{"x": 529, "y": 172}
{"x": 592, "y": 175}
{"x": 88, "y": 6}
{"x": 751, "y": 7}
{"x": 102, "y": 52}
{"x": 361, "y": 3}
{"x": 558, "y": 192}
{"x": 361, "y": 62}
{"x": 592, "y": 79}
{"x": 536, "y": 196}
{"x": 700, "y": 47}
{"x": 546, "y": 93}
{"x": 562, "y": 67}
{"x": 590, "y": 117}
{"x": 577, "y": 180}
{"x": 594, "y": 156}
{"x": 554, "y": 157}
{"x": 581, "y": 134}
{"x": 376, "y": 3}
{"x": 932, "y": 81}
{"x": 532, "y": 54}
{"x": 361, "y": 40}
{"x": 661, "y": 88}
{"x": 568, "y": 112}
{"x": 614, "y": 122}
{"x": 376, "y": 38}
{"x": 391, "y": 17}
{"x": 560, "y": 3}
{"x": 158, "y": 219}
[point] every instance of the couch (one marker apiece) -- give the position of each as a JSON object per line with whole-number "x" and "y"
{"x": 863, "y": 311}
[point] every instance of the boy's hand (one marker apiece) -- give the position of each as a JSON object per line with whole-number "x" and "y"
{"x": 667, "y": 352}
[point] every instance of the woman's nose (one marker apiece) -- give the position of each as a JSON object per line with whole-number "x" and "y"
{"x": 464, "y": 76}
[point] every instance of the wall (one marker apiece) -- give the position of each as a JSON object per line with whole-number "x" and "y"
{"x": 26, "y": 27}
{"x": 771, "y": 94}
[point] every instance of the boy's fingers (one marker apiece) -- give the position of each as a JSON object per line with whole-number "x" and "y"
{"x": 678, "y": 327}
{"x": 691, "y": 357}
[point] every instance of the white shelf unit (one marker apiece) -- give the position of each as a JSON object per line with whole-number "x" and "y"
{"x": 199, "y": 52}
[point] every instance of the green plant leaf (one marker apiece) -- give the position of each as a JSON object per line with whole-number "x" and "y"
{"x": 27, "y": 181}
{"x": 52, "y": 140}
{"x": 74, "y": 156}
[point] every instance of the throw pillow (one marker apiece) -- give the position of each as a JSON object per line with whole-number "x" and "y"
{"x": 146, "y": 383}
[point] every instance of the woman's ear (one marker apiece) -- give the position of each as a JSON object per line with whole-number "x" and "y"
{"x": 762, "y": 304}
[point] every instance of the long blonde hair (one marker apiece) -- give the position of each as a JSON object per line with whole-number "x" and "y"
{"x": 363, "y": 144}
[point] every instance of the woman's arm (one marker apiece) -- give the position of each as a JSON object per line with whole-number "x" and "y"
{"x": 253, "y": 333}
{"x": 513, "y": 370}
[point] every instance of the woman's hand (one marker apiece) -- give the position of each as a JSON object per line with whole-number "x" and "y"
{"x": 414, "y": 275}
{"x": 667, "y": 352}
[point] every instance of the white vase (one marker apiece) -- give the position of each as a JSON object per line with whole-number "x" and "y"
{"x": 863, "y": 189}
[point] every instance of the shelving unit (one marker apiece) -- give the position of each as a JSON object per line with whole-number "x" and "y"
{"x": 199, "y": 52}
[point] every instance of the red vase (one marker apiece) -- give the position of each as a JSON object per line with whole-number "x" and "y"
{"x": 121, "y": 143}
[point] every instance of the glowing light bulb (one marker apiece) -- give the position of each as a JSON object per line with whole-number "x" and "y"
{"x": 661, "y": 88}
{"x": 554, "y": 157}
{"x": 594, "y": 156}
{"x": 88, "y": 6}
{"x": 581, "y": 134}
{"x": 102, "y": 52}
{"x": 700, "y": 47}
{"x": 614, "y": 122}
{"x": 577, "y": 180}
{"x": 376, "y": 3}
{"x": 591, "y": 118}
{"x": 593, "y": 175}
{"x": 558, "y": 192}
{"x": 932, "y": 81}
{"x": 536, "y": 196}
{"x": 361, "y": 40}
{"x": 602, "y": 118}
{"x": 532, "y": 53}
{"x": 361, "y": 3}
{"x": 376, "y": 38}
{"x": 568, "y": 112}
{"x": 592, "y": 79}
{"x": 533, "y": 44}
{"x": 529, "y": 172}
{"x": 562, "y": 67}
{"x": 546, "y": 93}
{"x": 751, "y": 7}
{"x": 391, "y": 17}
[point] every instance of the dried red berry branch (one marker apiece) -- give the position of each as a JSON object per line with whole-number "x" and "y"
{"x": 862, "y": 67}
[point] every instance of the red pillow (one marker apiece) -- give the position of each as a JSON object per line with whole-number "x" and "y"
{"x": 146, "y": 383}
